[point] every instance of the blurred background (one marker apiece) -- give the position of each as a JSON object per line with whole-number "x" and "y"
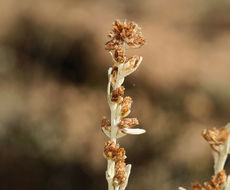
{"x": 53, "y": 77}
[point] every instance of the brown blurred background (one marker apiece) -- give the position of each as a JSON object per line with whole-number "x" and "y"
{"x": 53, "y": 91}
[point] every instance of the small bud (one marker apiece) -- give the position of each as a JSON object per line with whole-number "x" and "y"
{"x": 128, "y": 122}
{"x": 126, "y": 106}
{"x": 114, "y": 75}
{"x": 119, "y": 55}
{"x": 105, "y": 123}
{"x": 114, "y": 152}
{"x": 120, "y": 173}
{"x": 117, "y": 94}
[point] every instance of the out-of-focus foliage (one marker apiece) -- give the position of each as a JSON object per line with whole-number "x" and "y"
{"x": 52, "y": 91}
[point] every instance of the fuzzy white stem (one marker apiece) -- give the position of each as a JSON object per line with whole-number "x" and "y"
{"x": 227, "y": 186}
{"x": 115, "y": 118}
{"x": 221, "y": 158}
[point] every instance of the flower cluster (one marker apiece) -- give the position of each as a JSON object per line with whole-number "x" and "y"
{"x": 216, "y": 137}
{"x": 219, "y": 141}
{"x": 123, "y": 35}
{"x": 217, "y": 182}
{"x": 114, "y": 152}
{"x": 120, "y": 173}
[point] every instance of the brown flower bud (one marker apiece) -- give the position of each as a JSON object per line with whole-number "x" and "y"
{"x": 110, "y": 149}
{"x": 117, "y": 94}
{"x": 128, "y": 122}
{"x": 119, "y": 55}
{"x": 120, "y": 173}
{"x": 114, "y": 75}
{"x": 126, "y": 106}
{"x": 105, "y": 123}
{"x": 114, "y": 152}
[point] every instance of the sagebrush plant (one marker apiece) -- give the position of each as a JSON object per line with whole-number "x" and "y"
{"x": 219, "y": 140}
{"x": 124, "y": 35}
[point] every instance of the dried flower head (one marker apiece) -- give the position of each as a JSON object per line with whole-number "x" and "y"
{"x": 105, "y": 123}
{"x": 215, "y": 137}
{"x": 114, "y": 152}
{"x": 128, "y": 122}
{"x": 120, "y": 173}
{"x": 216, "y": 183}
{"x": 126, "y": 106}
{"x": 125, "y": 34}
{"x": 117, "y": 94}
{"x": 119, "y": 55}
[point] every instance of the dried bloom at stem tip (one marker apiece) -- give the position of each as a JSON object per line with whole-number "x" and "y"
{"x": 125, "y": 33}
{"x": 215, "y": 137}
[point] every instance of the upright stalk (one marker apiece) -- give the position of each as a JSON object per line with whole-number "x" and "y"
{"x": 122, "y": 35}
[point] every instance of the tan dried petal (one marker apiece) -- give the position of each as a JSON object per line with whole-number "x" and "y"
{"x": 120, "y": 173}
{"x": 117, "y": 94}
{"x": 128, "y": 122}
